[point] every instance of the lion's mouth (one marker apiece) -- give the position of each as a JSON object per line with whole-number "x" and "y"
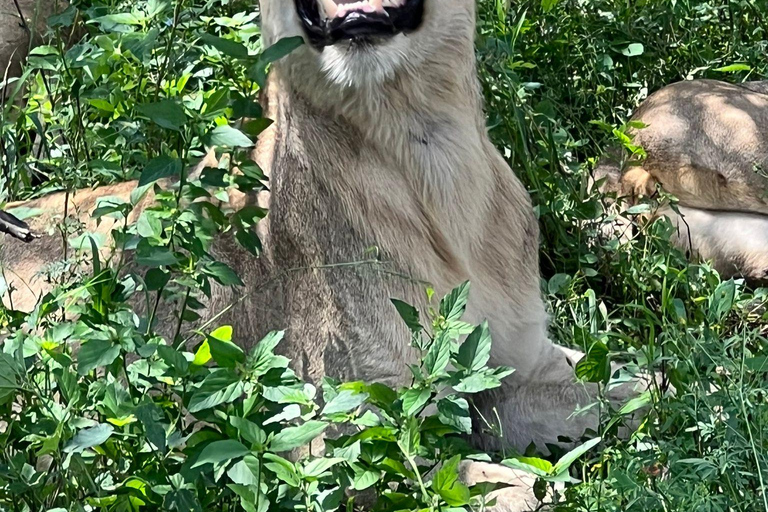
{"x": 330, "y": 21}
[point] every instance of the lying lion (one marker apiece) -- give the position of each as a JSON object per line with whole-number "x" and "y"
{"x": 380, "y": 140}
{"x": 707, "y": 144}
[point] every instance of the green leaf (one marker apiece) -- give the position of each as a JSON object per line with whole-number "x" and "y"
{"x": 636, "y": 403}
{"x": 225, "y": 353}
{"x": 160, "y": 167}
{"x": 535, "y": 466}
{"x": 219, "y": 452}
{"x": 438, "y": 357}
{"x": 246, "y": 471}
{"x": 293, "y": 437}
{"x": 226, "y": 136}
{"x": 452, "y": 307}
{"x": 222, "y": 273}
{"x": 633, "y": 50}
{"x": 225, "y": 46}
{"x": 596, "y": 365}
{"x": 478, "y": 382}
{"x": 8, "y": 377}
{"x": 167, "y": 113}
{"x": 102, "y": 104}
{"x": 281, "y": 49}
{"x": 414, "y": 400}
{"x": 558, "y": 283}
{"x": 149, "y": 255}
{"x": 316, "y": 468}
{"x": 95, "y": 354}
{"x": 409, "y": 314}
{"x": 149, "y": 416}
{"x": 182, "y": 500}
{"x": 264, "y": 353}
{"x": 475, "y": 352}
{"x": 569, "y": 458}
{"x": 283, "y": 469}
{"x": 344, "y": 402}
{"x": 88, "y": 438}
{"x": 734, "y": 68}
{"x": 409, "y": 440}
{"x": 123, "y": 18}
{"x": 365, "y": 479}
{"x": 219, "y": 387}
{"x": 447, "y": 485}
{"x": 721, "y": 301}
{"x": 173, "y": 358}
{"x": 249, "y": 431}
{"x": 454, "y": 411}
{"x": 64, "y": 19}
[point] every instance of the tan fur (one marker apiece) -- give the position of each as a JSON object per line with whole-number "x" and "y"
{"x": 386, "y": 146}
{"x": 707, "y": 144}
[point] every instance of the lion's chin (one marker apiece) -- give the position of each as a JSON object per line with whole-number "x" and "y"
{"x": 327, "y": 22}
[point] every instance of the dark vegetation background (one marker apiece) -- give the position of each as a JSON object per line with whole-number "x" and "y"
{"x": 135, "y": 89}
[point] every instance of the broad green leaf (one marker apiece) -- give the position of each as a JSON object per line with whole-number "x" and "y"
{"x": 283, "y": 469}
{"x": 733, "y": 68}
{"x": 150, "y": 255}
{"x": 95, "y": 354}
{"x": 365, "y": 479}
{"x": 446, "y": 484}
{"x": 167, "y": 113}
{"x": 438, "y": 357}
{"x": 281, "y": 49}
{"x": 633, "y": 50}
{"x": 453, "y": 305}
{"x": 202, "y": 354}
{"x": 569, "y": 458}
{"x": 293, "y": 437}
{"x": 225, "y": 353}
{"x": 535, "y": 466}
{"x": 409, "y": 314}
{"x": 222, "y": 273}
{"x": 595, "y": 366}
{"x": 88, "y": 438}
{"x": 249, "y": 431}
{"x": 219, "y": 452}
{"x": 182, "y": 500}
{"x": 217, "y": 388}
{"x": 246, "y": 471}
{"x": 409, "y": 439}
{"x": 454, "y": 411}
{"x": 160, "y": 167}
{"x": 225, "y": 46}
{"x": 228, "y": 137}
{"x": 414, "y": 400}
{"x": 316, "y": 468}
{"x": 149, "y": 416}
{"x": 345, "y": 402}
{"x": 8, "y": 377}
{"x": 475, "y": 352}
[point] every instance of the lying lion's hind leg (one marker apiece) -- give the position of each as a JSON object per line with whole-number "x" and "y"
{"x": 514, "y": 491}
{"x": 736, "y": 242}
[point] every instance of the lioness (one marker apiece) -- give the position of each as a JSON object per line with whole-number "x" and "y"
{"x": 380, "y": 140}
{"x": 707, "y": 144}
